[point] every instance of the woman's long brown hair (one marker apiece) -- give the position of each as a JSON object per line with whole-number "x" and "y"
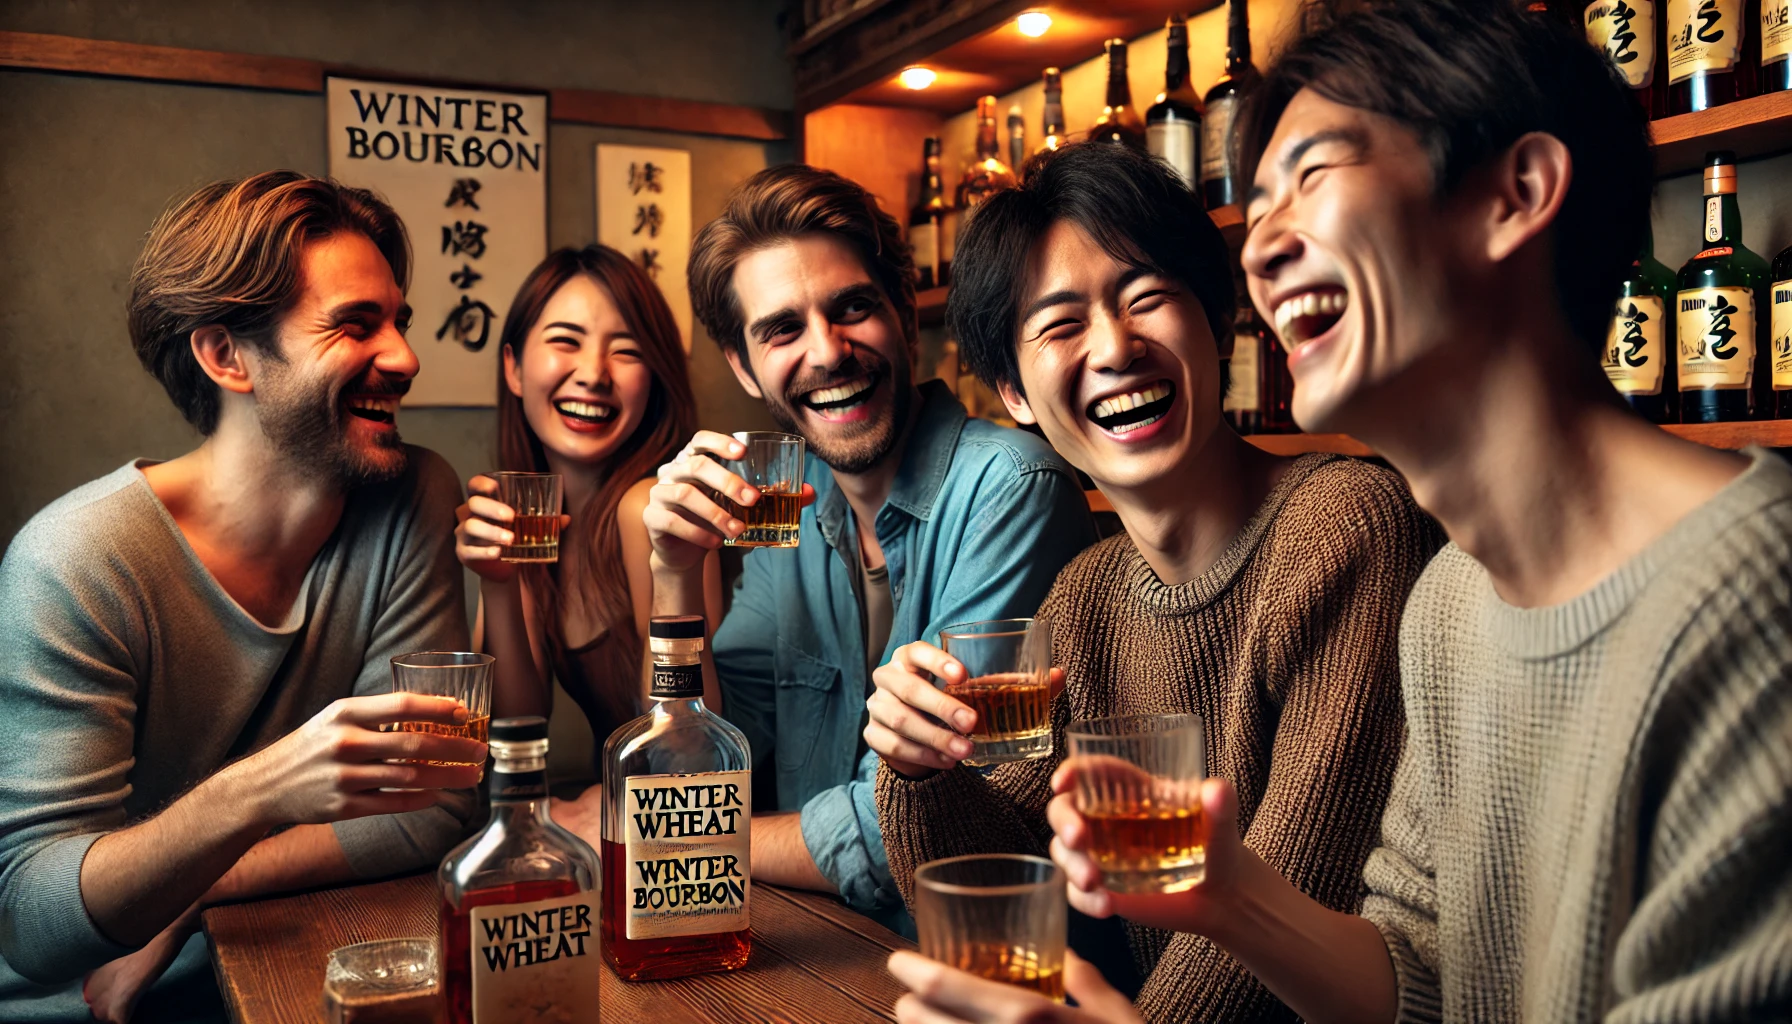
{"x": 601, "y": 582}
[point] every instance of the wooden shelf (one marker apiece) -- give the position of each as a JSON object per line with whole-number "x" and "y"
{"x": 1761, "y": 126}
{"x": 1766, "y": 433}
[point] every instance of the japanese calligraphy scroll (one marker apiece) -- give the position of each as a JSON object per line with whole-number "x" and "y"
{"x": 467, "y": 170}
{"x": 644, "y": 210}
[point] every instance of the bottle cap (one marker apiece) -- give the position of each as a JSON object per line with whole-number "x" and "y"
{"x": 1720, "y": 173}
{"x": 677, "y": 627}
{"x": 520, "y": 730}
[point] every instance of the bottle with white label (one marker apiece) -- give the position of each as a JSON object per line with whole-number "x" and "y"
{"x": 678, "y": 812}
{"x": 519, "y": 900}
{"x": 1711, "y": 54}
{"x": 1776, "y": 47}
{"x": 1639, "y": 345}
{"x": 1779, "y": 340}
{"x": 1173, "y": 122}
{"x": 1626, "y": 31}
{"x": 927, "y": 221}
{"x": 1720, "y": 321}
{"x": 1219, "y": 182}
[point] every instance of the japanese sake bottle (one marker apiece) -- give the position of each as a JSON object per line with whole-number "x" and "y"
{"x": 1722, "y": 312}
{"x": 519, "y": 899}
{"x": 676, "y": 825}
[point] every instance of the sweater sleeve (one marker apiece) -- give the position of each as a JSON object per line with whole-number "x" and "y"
{"x": 1402, "y": 899}
{"x": 1328, "y": 660}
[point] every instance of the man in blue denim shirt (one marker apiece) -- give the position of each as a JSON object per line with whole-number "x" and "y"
{"x": 920, "y": 517}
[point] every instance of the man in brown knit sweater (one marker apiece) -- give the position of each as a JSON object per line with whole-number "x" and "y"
{"x": 1592, "y": 817}
{"x": 1261, "y": 593}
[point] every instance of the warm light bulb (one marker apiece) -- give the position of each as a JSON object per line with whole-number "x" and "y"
{"x": 916, "y": 78}
{"x": 1033, "y": 23}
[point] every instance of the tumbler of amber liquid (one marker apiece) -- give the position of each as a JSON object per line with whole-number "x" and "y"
{"x": 773, "y": 465}
{"x": 998, "y": 916}
{"x": 462, "y": 675}
{"x": 535, "y": 498}
{"x": 1138, "y": 787}
{"x": 1008, "y": 664}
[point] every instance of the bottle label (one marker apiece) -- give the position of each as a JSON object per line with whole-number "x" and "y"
{"x": 1776, "y": 31}
{"x": 534, "y": 957}
{"x": 1247, "y": 356}
{"x": 677, "y": 682}
{"x": 1703, "y": 35}
{"x": 1782, "y": 336}
{"x": 1714, "y": 218}
{"x": 1625, "y": 30}
{"x": 1174, "y": 143}
{"x": 1634, "y": 349}
{"x": 1717, "y": 338}
{"x": 1216, "y": 128}
{"x": 925, "y": 240}
{"x": 688, "y": 843}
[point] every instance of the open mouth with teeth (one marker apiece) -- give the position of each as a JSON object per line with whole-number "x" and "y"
{"x": 585, "y": 412}
{"x": 1123, "y": 414}
{"x": 383, "y": 409}
{"x": 837, "y": 400}
{"x": 1306, "y": 316}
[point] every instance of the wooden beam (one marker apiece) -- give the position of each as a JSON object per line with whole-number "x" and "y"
{"x": 42, "y": 52}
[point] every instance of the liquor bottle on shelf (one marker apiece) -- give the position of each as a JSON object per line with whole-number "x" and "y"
{"x": 986, "y": 175}
{"x": 1173, "y": 123}
{"x": 1260, "y": 389}
{"x": 1721, "y": 312}
{"x": 1055, "y": 136}
{"x": 676, "y": 825}
{"x": 1017, "y": 139}
{"x": 519, "y": 899}
{"x": 1775, "y": 74}
{"x": 1625, "y": 30}
{"x": 1119, "y": 120}
{"x": 1219, "y": 181}
{"x": 1711, "y": 54}
{"x": 1780, "y": 338}
{"x": 1639, "y": 346}
{"x": 927, "y": 221}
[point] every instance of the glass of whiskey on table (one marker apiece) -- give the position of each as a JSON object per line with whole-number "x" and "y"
{"x": 1138, "y": 785}
{"x": 462, "y": 675}
{"x": 388, "y": 981}
{"x": 1008, "y": 664}
{"x": 773, "y": 465}
{"x": 535, "y": 498}
{"x": 999, "y": 916}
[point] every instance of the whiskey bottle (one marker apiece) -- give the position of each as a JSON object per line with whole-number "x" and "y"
{"x": 1119, "y": 120}
{"x": 1054, "y": 112}
{"x": 1219, "y": 182}
{"x": 676, "y": 825}
{"x": 1625, "y": 30}
{"x": 1243, "y": 401}
{"x": 1017, "y": 139}
{"x": 1721, "y": 311}
{"x": 1780, "y": 337}
{"x": 927, "y": 221}
{"x": 1709, "y": 63}
{"x": 1776, "y": 47}
{"x": 519, "y": 899}
{"x": 1173, "y": 122}
{"x": 987, "y": 175}
{"x": 1639, "y": 345}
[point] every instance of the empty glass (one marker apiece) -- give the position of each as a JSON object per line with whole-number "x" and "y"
{"x": 998, "y": 916}
{"x": 535, "y": 498}
{"x": 1138, "y": 786}
{"x": 392, "y": 981}
{"x": 773, "y": 464}
{"x": 1008, "y": 663}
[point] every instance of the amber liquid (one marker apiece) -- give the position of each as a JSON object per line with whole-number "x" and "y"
{"x": 652, "y": 959}
{"x": 1142, "y": 846}
{"x": 476, "y": 728}
{"x": 1013, "y": 965}
{"x": 1009, "y": 705}
{"x": 537, "y": 540}
{"x": 457, "y": 936}
{"x": 772, "y": 521}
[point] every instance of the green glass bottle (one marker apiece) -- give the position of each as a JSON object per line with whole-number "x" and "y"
{"x": 1780, "y": 336}
{"x": 1639, "y": 346}
{"x": 1721, "y": 312}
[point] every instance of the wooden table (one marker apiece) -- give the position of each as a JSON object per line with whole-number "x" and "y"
{"x": 813, "y": 959}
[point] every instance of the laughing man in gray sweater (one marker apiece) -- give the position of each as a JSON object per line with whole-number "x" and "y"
{"x": 1592, "y": 816}
{"x": 193, "y": 653}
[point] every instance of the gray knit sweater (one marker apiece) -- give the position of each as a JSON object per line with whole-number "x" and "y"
{"x": 1592, "y": 818}
{"x": 127, "y": 675}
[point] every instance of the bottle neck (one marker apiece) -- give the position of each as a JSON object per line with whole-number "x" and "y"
{"x": 1054, "y": 113}
{"x": 1238, "y": 37}
{"x": 987, "y": 148}
{"x": 1119, "y": 92}
{"x": 1176, "y": 66}
{"x": 931, "y": 185}
{"x": 1726, "y": 227}
{"x": 519, "y": 786}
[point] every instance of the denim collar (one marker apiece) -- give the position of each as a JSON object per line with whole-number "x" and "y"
{"x": 926, "y": 459}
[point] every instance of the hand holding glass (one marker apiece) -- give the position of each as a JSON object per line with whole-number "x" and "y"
{"x": 462, "y": 675}
{"x": 535, "y": 498}
{"x": 1138, "y": 786}
{"x": 1008, "y": 664}
{"x": 772, "y": 465}
{"x": 998, "y": 916}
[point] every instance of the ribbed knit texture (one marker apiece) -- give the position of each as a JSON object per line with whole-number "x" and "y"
{"x": 1285, "y": 647}
{"x": 1593, "y": 815}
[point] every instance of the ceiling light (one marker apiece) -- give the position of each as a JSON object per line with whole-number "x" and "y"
{"x": 1033, "y": 23}
{"x": 916, "y": 77}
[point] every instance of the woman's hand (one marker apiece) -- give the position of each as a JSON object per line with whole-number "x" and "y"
{"x": 945, "y": 995}
{"x": 484, "y": 530}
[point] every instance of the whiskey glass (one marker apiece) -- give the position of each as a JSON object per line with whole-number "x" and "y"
{"x": 773, "y": 465}
{"x": 389, "y": 981}
{"x": 535, "y": 498}
{"x": 462, "y": 675}
{"x": 1008, "y": 664}
{"x": 999, "y": 916}
{"x": 1138, "y": 786}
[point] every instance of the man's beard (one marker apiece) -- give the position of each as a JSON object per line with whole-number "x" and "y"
{"x": 304, "y": 421}
{"x": 866, "y": 443}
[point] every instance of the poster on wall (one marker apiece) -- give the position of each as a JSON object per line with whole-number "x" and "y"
{"x": 467, "y": 170}
{"x": 644, "y": 211}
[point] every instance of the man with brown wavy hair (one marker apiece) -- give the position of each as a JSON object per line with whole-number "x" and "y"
{"x": 189, "y": 649}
